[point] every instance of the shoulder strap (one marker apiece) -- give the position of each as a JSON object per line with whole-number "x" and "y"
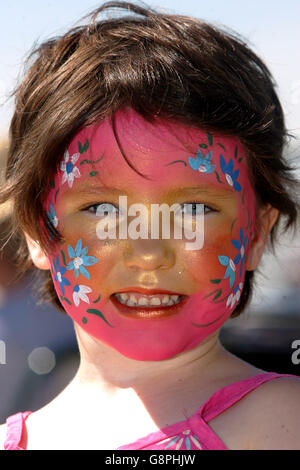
{"x": 227, "y": 396}
{"x": 15, "y": 431}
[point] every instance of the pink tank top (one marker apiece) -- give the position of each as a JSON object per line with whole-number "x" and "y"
{"x": 193, "y": 433}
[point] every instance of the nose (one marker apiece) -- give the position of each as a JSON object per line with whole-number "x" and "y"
{"x": 149, "y": 255}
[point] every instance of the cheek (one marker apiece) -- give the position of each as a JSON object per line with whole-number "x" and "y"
{"x": 108, "y": 253}
{"x": 203, "y": 265}
{"x": 220, "y": 264}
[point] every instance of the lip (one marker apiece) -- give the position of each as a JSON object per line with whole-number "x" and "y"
{"x": 154, "y": 312}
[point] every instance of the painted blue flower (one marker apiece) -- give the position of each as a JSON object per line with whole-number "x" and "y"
{"x": 230, "y": 270}
{"x": 80, "y": 260}
{"x": 52, "y": 216}
{"x": 240, "y": 245}
{"x": 230, "y": 175}
{"x": 59, "y": 276}
{"x": 201, "y": 163}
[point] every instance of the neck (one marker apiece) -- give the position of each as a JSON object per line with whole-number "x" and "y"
{"x": 109, "y": 370}
{"x": 159, "y": 392}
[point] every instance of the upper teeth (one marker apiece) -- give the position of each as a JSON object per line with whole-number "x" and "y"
{"x": 147, "y": 300}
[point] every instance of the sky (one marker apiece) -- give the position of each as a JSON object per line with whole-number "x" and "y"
{"x": 271, "y": 27}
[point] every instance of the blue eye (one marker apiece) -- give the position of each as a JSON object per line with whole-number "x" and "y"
{"x": 194, "y": 208}
{"x": 102, "y": 209}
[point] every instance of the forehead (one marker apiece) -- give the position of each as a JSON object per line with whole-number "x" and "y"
{"x": 173, "y": 157}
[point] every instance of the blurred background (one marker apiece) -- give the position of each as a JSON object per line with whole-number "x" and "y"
{"x": 38, "y": 351}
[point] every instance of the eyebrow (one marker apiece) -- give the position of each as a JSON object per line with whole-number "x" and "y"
{"x": 220, "y": 193}
{"x": 97, "y": 189}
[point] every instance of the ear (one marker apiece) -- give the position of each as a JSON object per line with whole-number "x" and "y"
{"x": 266, "y": 218}
{"x": 39, "y": 258}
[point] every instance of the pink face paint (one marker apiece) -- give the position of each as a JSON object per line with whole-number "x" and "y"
{"x": 86, "y": 270}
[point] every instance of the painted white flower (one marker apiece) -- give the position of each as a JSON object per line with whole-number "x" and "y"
{"x": 235, "y": 295}
{"x": 238, "y": 294}
{"x": 79, "y": 293}
{"x": 232, "y": 265}
{"x": 68, "y": 167}
{"x": 231, "y": 300}
{"x": 229, "y": 179}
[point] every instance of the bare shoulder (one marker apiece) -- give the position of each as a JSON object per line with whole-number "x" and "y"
{"x": 267, "y": 418}
{"x": 273, "y": 410}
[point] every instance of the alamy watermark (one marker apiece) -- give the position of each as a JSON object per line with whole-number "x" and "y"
{"x": 296, "y": 354}
{"x": 192, "y": 224}
{"x": 2, "y": 352}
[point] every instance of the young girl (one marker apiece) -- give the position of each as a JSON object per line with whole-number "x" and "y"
{"x": 121, "y": 115}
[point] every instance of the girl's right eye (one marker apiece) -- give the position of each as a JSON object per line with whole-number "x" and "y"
{"x": 102, "y": 209}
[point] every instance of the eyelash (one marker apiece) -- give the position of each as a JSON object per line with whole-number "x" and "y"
{"x": 86, "y": 209}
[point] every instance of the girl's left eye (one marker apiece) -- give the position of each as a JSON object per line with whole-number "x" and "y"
{"x": 194, "y": 208}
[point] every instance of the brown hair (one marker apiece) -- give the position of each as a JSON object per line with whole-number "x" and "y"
{"x": 166, "y": 65}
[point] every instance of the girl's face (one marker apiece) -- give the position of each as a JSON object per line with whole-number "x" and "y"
{"x": 183, "y": 166}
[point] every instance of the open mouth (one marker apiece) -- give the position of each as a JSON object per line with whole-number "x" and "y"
{"x": 148, "y": 306}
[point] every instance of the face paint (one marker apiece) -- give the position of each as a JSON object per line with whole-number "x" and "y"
{"x": 183, "y": 165}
